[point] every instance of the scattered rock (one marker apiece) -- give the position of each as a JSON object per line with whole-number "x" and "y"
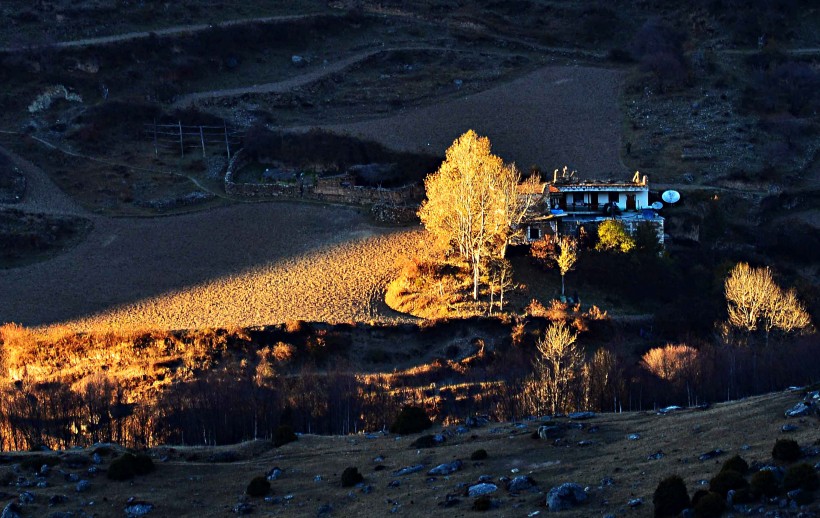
{"x": 82, "y": 485}
{"x": 800, "y": 409}
{"x": 585, "y": 443}
{"x": 635, "y": 502}
{"x": 274, "y": 474}
{"x": 669, "y": 409}
{"x": 409, "y": 469}
{"x": 12, "y": 510}
{"x": 565, "y": 496}
{"x": 481, "y": 489}
{"x": 788, "y": 428}
{"x": 325, "y": 509}
{"x": 633, "y": 437}
{"x": 711, "y": 454}
{"x": 521, "y": 483}
{"x": 394, "y": 483}
{"x": 138, "y": 509}
{"x": 476, "y": 421}
{"x": 297, "y": 60}
{"x": 26, "y": 497}
{"x": 656, "y": 456}
{"x": 243, "y": 508}
{"x": 446, "y": 469}
{"x": 579, "y": 416}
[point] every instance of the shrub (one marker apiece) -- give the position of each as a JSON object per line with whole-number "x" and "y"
{"x": 801, "y": 476}
{"x": 129, "y": 465}
{"x": 259, "y": 486}
{"x": 786, "y": 450}
{"x": 283, "y": 435}
{"x": 764, "y": 482}
{"x": 351, "y": 477}
{"x": 612, "y": 236}
{"x": 725, "y": 481}
{"x": 482, "y": 503}
{"x": 425, "y": 441}
{"x": 710, "y": 505}
{"x": 736, "y": 463}
{"x": 411, "y": 419}
{"x": 670, "y": 497}
{"x": 479, "y": 454}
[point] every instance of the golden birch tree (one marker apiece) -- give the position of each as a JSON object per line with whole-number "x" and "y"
{"x": 755, "y": 301}
{"x": 472, "y": 202}
{"x": 559, "y": 365}
{"x": 567, "y": 256}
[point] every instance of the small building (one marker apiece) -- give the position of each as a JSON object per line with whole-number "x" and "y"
{"x": 569, "y": 203}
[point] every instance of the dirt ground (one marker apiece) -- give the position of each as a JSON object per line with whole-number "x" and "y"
{"x": 243, "y": 265}
{"x": 185, "y": 483}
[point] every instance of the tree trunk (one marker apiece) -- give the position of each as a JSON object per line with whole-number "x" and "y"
{"x": 475, "y": 280}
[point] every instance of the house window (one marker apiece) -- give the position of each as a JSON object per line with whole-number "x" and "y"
{"x": 613, "y": 197}
{"x": 535, "y": 233}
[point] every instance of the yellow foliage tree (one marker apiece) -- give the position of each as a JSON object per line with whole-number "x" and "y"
{"x": 559, "y": 365}
{"x": 472, "y": 202}
{"x": 612, "y": 235}
{"x": 567, "y": 256}
{"x": 755, "y": 301}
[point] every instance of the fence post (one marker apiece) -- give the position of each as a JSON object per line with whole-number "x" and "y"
{"x": 202, "y": 139}
{"x": 181, "y": 145}
{"x": 227, "y": 145}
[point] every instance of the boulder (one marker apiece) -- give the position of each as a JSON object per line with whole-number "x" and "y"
{"x": 520, "y": 483}
{"x": 138, "y": 509}
{"x": 800, "y": 409}
{"x": 579, "y": 416}
{"x": 565, "y": 496}
{"x": 446, "y": 469}
{"x": 481, "y": 489}
{"x": 409, "y": 469}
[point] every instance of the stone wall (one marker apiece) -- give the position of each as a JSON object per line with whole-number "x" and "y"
{"x": 570, "y": 226}
{"x": 337, "y": 189}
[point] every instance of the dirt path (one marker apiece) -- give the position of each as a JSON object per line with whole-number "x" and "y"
{"x": 168, "y": 31}
{"x": 42, "y": 194}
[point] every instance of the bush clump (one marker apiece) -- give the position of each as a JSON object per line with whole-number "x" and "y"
{"x": 411, "y": 419}
{"x": 283, "y": 435}
{"x": 725, "y": 481}
{"x": 764, "y": 482}
{"x": 710, "y": 505}
{"x": 671, "y": 497}
{"x": 425, "y": 441}
{"x": 786, "y": 450}
{"x": 736, "y": 463}
{"x": 259, "y": 486}
{"x": 479, "y": 454}
{"x": 801, "y": 476}
{"x": 351, "y": 477}
{"x": 482, "y": 503}
{"x": 129, "y": 465}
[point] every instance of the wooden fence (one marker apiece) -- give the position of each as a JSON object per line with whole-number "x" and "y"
{"x": 183, "y": 137}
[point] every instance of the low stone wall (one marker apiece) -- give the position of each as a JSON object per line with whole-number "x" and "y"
{"x": 570, "y": 226}
{"x": 331, "y": 190}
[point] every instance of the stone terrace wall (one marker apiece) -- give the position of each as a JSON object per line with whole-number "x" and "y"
{"x": 328, "y": 189}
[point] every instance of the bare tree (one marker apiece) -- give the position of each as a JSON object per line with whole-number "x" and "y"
{"x": 559, "y": 365}
{"x": 755, "y": 301}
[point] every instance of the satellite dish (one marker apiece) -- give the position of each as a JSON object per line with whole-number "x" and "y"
{"x": 657, "y": 205}
{"x": 670, "y": 196}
